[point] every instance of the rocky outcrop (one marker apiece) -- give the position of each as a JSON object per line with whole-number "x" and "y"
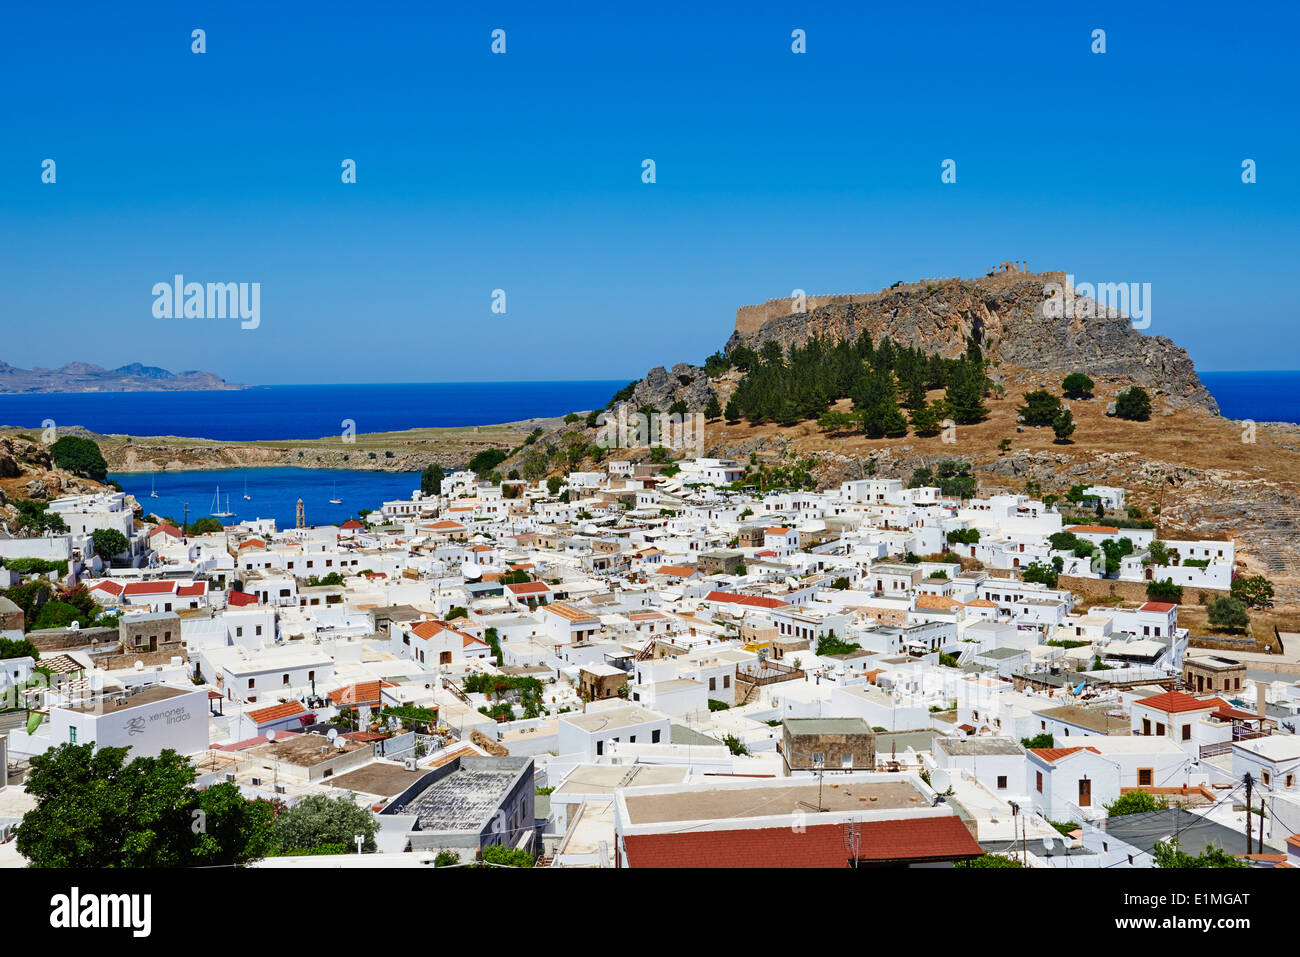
{"x": 1009, "y": 315}
{"x": 661, "y": 388}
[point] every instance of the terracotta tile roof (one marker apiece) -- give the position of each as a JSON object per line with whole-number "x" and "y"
{"x": 822, "y": 845}
{"x": 1103, "y": 529}
{"x": 110, "y": 586}
{"x": 569, "y": 613}
{"x": 193, "y": 590}
{"x": 351, "y": 523}
{"x": 1160, "y": 606}
{"x": 1293, "y": 841}
{"x": 443, "y": 526}
{"x": 675, "y": 571}
{"x": 776, "y": 530}
{"x": 276, "y": 712}
{"x": 166, "y": 529}
{"x": 529, "y": 588}
{"x": 252, "y": 543}
{"x": 150, "y": 588}
{"x": 1052, "y": 755}
{"x": 1175, "y": 702}
{"x": 238, "y": 599}
{"x": 981, "y": 603}
{"x": 756, "y": 601}
{"x": 936, "y": 603}
{"x": 363, "y": 692}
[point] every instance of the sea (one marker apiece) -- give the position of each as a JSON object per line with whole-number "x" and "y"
{"x": 314, "y": 411}
{"x": 272, "y": 493}
{"x": 292, "y": 412}
{"x": 1259, "y": 396}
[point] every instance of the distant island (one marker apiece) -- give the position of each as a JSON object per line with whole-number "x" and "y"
{"x": 85, "y": 377}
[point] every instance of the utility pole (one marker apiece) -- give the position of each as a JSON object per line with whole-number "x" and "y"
{"x": 1248, "y": 784}
{"x": 185, "y": 522}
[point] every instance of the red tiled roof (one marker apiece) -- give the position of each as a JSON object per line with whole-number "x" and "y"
{"x": 1175, "y": 702}
{"x": 363, "y": 692}
{"x": 352, "y": 523}
{"x": 776, "y": 530}
{"x": 822, "y": 845}
{"x": 252, "y": 543}
{"x": 150, "y": 588}
{"x": 238, "y": 599}
{"x": 757, "y": 601}
{"x": 529, "y": 588}
{"x": 1161, "y": 606}
{"x": 165, "y": 529}
{"x": 1052, "y": 755}
{"x": 192, "y": 590}
{"x": 110, "y": 586}
{"x": 1104, "y": 529}
{"x": 276, "y": 712}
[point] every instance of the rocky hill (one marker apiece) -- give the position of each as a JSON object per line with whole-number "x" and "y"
{"x": 28, "y": 472}
{"x": 1009, "y": 314}
{"x": 86, "y": 377}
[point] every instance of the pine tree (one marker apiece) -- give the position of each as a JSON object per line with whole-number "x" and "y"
{"x": 713, "y": 409}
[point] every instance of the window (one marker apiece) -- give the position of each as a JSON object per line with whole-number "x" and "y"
{"x": 1187, "y": 732}
{"x": 846, "y": 760}
{"x": 654, "y": 737}
{"x": 713, "y": 684}
{"x": 1146, "y": 726}
{"x": 239, "y": 632}
{"x": 1002, "y": 782}
{"x": 600, "y": 747}
{"x": 1160, "y": 728}
{"x": 1268, "y": 779}
{"x": 726, "y": 681}
{"x": 72, "y": 735}
{"x": 250, "y": 682}
{"x": 1040, "y": 782}
{"x": 286, "y": 680}
{"x": 1144, "y": 777}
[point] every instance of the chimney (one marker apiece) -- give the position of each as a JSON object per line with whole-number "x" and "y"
{"x": 1261, "y": 699}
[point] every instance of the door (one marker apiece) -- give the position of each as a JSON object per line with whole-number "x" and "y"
{"x": 1085, "y": 793}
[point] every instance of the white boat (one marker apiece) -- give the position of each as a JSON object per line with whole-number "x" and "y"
{"x": 216, "y": 504}
{"x": 336, "y": 500}
{"x": 247, "y": 497}
{"x": 153, "y": 492}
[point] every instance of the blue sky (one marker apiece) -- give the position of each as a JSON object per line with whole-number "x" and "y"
{"x": 477, "y": 171}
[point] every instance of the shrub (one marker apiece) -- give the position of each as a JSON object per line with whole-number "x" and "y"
{"x": 1133, "y": 404}
{"x": 1077, "y": 386}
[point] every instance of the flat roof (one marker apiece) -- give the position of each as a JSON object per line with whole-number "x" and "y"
{"x": 827, "y": 726}
{"x": 384, "y": 780}
{"x": 109, "y": 704}
{"x": 611, "y": 719}
{"x": 463, "y": 799}
{"x": 747, "y": 802}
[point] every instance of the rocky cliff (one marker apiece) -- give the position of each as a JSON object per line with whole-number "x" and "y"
{"x": 1009, "y": 313}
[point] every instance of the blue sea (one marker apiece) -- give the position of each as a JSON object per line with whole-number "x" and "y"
{"x": 1260, "y": 396}
{"x": 305, "y": 411}
{"x": 272, "y": 493}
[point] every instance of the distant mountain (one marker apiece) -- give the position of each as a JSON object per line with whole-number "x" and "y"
{"x": 87, "y": 377}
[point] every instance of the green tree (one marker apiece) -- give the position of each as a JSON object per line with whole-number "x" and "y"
{"x": 733, "y": 412}
{"x": 18, "y": 648}
{"x": 79, "y": 456}
{"x": 712, "y": 408}
{"x": 485, "y": 461}
{"x": 1228, "y": 613}
{"x": 431, "y": 480}
{"x": 1134, "y": 802}
{"x": 1255, "y": 591}
{"x": 990, "y": 860}
{"x": 965, "y": 394}
{"x": 1133, "y": 404}
{"x": 507, "y": 856}
{"x": 1077, "y": 386}
{"x": 96, "y": 810}
{"x": 319, "y": 819}
{"x": 1063, "y": 425}
{"x": 1040, "y": 408}
{"x": 1043, "y": 740}
{"x": 1039, "y": 572}
{"x": 1164, "y": 590}
{"x": 109, "y": 542}
{"x": 925, "y": 420}
{"x": 1167, "y": 854}
{"x": 206, "y": 526}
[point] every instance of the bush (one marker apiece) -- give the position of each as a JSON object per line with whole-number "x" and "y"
{"x": 1134, "y": 802}
{"x": 508, "y": 856}
{"x": 1077, "y": 386}
{"x": 1043, "y": 740}
{"x": 1255, "y": 591}
{"x": 318, "y": 820}
{"x": 79, "y": 456}
{"x": 1228, "y": 613}
{"x": 109, "y": 542}
{"x": 1040, "y": 408}
{"x": 1133, "y": 404}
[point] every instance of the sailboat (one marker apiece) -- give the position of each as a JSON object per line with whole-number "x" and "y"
{"x": 247, "y": 497}
{"x": 153, "y": 492}
{"x": 336, "y": 500}
{"x": 216, "y": 504}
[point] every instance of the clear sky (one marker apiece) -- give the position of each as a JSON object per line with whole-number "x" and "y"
{"x": 523, "y": 172}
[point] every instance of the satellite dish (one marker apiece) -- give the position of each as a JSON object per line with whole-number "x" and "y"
{"x": 332, "y": 733}
{"x": 270, "y": 735}
{"x": 1047, "y": 844}
{"x": 139, "y": 666}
